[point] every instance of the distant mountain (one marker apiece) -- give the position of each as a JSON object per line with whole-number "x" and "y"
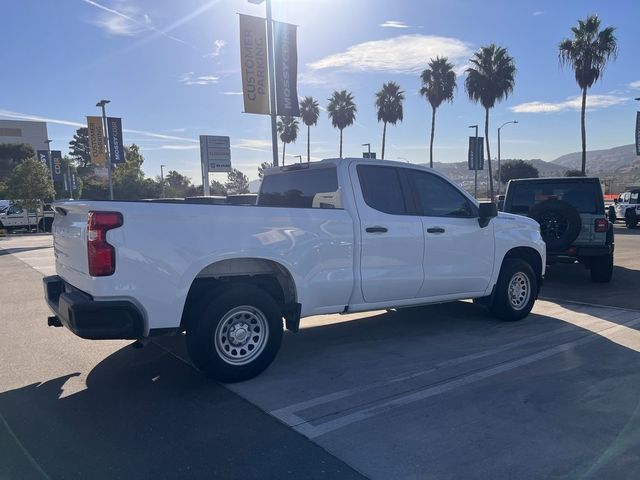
{"x": 611, "y": 161}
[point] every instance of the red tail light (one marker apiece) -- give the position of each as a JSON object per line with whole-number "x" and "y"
{"x": 102, "y": 256}
{"x": 602, "y": 224}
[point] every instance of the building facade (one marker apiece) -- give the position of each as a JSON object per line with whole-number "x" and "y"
{"x": 20, "y": 131}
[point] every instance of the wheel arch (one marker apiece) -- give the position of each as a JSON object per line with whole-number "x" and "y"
{"x": 269, "y": 275}
{"x": 529, "y": 255}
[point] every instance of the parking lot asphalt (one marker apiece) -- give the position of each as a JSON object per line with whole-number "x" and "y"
{"x": 442, "y": 391}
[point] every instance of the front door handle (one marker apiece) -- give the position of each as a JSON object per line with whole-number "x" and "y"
{"x": 435, "y": 230}
{"x": 376, "y": 229}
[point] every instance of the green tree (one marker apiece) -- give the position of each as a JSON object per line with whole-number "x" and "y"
{"x": 514, "y": 169}
{"x": 288, "y": 130}
{"x": 438, "y": 85}
{"x": 263, "y": 166}
{"x": 176, "y": 184}
{"x": 588, "y": 53}
{"x": 490, "y": 79}
{"x": 129, "y": 182}
{"x": 79, "y": 148}
{"x": 389, "y": 107}
{"x": 309, "y": 111}
{"x": 218, "y": 188}
{"x": 13, "y": 154}
{"x": 237, "y": 182}
{"x": 30, "y": 183}
{"x": 574, "y": 173}
{"x": 342, "y": 111}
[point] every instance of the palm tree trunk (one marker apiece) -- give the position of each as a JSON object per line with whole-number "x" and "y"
{"x": 384, "y": 138}
{"x": 284, "y": 147}
{"x": 433, "y": 129}
{"x": 486, "y": 136}
{"x": 584, "y": 131}
{"x": 340, "y": 143}
{"x": 308, "y": 143}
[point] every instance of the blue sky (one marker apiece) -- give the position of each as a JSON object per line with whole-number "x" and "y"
{"x": 171, "y": 70}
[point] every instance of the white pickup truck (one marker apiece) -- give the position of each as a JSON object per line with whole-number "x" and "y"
{"x": 336, "y": 236}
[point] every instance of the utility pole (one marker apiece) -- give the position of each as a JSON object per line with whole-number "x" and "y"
{"x": 475, "y": 164}
{"x": 102, "y": 104}
{"x": 50, "y": 160}
{"x": 499, "y": 165}
{"x": 162, "y": 179}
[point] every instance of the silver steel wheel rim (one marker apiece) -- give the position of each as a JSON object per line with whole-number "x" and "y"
{"x": 519, "y": 290}
{"x": 241, "y": 335}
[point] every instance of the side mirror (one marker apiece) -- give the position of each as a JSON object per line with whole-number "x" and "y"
{"x": 486, "y": 211}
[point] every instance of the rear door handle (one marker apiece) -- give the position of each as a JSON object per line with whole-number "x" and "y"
{"x": 376, "y": 229}
{"x": 435, "y": 230}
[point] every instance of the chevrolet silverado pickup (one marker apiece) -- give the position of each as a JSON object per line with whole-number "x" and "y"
{"x": 335, "y": 236}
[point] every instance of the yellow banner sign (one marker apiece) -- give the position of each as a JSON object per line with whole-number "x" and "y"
{"x": 253, "y": 60}
{"x": 96, "y": 141}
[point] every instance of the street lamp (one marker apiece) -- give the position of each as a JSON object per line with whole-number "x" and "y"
{"x": 299, "y": 157}
{"x": 368, "y": 145}
{"x": 499, "y": 170}
{"x": 101, "y": 104}
{"x": 475, "y": 165}
{"x": 162, "y": 179}
{"x": 272, "y": 77}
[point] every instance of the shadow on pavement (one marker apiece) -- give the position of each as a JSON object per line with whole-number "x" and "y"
{"x": 144, "y": 414}
{"x": 8, "y": 251}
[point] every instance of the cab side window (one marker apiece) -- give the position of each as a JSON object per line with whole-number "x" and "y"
{"x": 436, "y": 197}
{"x": 14, "y": 210}
{"x": 382, "y": 189}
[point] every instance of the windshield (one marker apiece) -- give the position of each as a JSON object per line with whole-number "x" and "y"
{"x": 584, "y": 196}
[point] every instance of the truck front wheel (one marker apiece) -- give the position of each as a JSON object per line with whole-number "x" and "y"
{"x": 236, "y": 334}
{"x": 516, "y": 290}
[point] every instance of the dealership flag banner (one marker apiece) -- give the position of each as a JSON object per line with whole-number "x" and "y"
{"x": 253, "y": 61}
{"x": 286, "y": 62}
{"x": 637, "y": 133}
{"x": 74, "y": 182}
{"x": 116, "y": 147}
{"x": 43, "y": 156}
{"x": 56, "y": 162}
{"x": 96, "y": 141}
{"x": 476, "y": 153}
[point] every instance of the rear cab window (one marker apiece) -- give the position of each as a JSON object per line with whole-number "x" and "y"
{"x": 585, "y": 196}
{"x": 304, "y": 188}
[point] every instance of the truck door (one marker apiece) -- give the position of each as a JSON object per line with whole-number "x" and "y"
{"x": 459, "y": 253}
{"x": 391, "y": 256}
{"x": 16, "y": 216}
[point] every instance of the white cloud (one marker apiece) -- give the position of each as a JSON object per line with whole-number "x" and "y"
{"x": 119, "y": 26}
{"x": 190, "y": 78}
{"x": 402, "y": 54}
{"x": 635, "y": 84}
{"x": 538, "y": 13}
{"x": 253, "y": 144}
{"x": 218, "y": 45}
{"x": 394, "y": 24}
{"x": 231, "y": 93}
{"x": 179, "y": 147}
{"x": 571, "y": 103}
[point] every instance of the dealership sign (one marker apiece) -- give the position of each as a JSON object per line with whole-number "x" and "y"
{"x": 116, "y": 146}
{"x": 56, "y": 163}
{"x": 254, "y": 64}
{"x": 476, "y": 153}
{"x": 637, "y": 133}
{"x": 96, "y": 141}
{"x": 215, "y": 153}
{"x": 286, "y": 60}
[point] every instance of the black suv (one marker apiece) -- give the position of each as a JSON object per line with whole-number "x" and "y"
{"x": 572, "y": 220}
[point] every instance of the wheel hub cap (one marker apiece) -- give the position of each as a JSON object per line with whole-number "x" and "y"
{"x": 519, "y": 290}
{"x": 241, "y": 335}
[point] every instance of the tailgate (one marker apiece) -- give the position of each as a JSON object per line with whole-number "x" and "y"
{"x": 70, "y": 241}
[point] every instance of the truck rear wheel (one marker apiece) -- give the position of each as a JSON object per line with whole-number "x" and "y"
{"x": 516, "y": 290}
{"x": 602, "y": 269}
{"x": 631, "y": 219}
{"x": 236, "y": 334}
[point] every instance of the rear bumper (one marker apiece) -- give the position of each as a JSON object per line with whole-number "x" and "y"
{"x": 579, "y": 252}
{"x": 89, "y": 318}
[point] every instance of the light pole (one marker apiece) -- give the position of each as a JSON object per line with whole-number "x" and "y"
{"x": 499, "y": 169}
{"x": 368, "y": 145}
{"x": 475, "y": 164}
{"x": 162, "y": 179}
{"x": 102, "y": 104}
{"x": 299, "y": 157}
{"x": 50, "y": 161}
{"x": 272, "y": 80}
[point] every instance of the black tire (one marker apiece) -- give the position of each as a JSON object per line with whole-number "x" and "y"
{"x": 612, "y": 214}
{"x": 502, "y": 306}
{"x": 559, "y": 221}
{"x": 48, "y": 223}
{"x": 631, "y": 219}
{"x": 602, "y": 269}
{"x": 207, "y": 337}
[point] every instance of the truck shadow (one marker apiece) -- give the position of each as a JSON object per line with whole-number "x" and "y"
{"x": 9, "y": 251}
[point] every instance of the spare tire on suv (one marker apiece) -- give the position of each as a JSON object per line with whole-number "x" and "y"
{"x": 559, "y": 222}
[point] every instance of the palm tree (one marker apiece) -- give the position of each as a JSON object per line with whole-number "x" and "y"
{"x": 389, "y": 107}
{"x": 490, "y": 79}
{"x": 587, "y": 53}
{"x": 342, "y": 111}
{"x": 288, "y": 130}
{"x": 438, "y": 84}
{"x": 309, "y": 111}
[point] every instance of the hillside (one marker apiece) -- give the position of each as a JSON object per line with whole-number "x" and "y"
{"x": 610, "y": 160}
